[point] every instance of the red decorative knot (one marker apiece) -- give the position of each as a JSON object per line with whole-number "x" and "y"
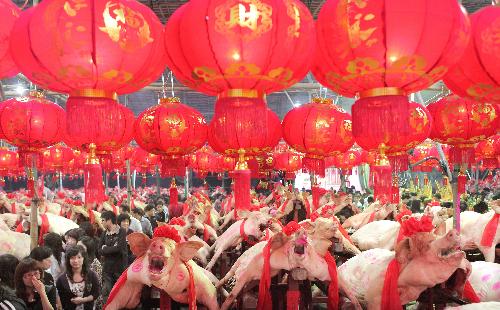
{"x": 291, "y": 228}
{"x": 403, "y": 213}
{"x": 413, "y": 225}
{"x": 167, "y": 231}
{"x": 177, "y": 221}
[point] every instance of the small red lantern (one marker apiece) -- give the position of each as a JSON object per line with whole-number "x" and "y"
{"x": 171, "y": 129}
{"x": 8, "y": 161}
{"x": 489, "y": 151}
{"x": 110, "y": 46}
{"x": 318, "y": 129}
{"x": 287, "y": 161}
{"x": 348, "y": 160}
{"x": 477, "y": 74}
{"x": 203, "y": 161}
{"x": 32, "y": 123}
{"x": 461, "y": 123}
{"x": 144, "y": 161}
{"x": 56, "y": 157}
{"x": 9, "y": 13}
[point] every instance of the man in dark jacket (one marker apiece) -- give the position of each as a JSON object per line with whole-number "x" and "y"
{"x": 113, "y": 249}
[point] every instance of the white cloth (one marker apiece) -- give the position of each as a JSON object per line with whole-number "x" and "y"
{"x": 55, "y": 269}
{"x": 135, "y": 224}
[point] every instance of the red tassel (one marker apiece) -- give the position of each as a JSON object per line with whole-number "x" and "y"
{"x": 399, "y": 162}
{"x": 174, "y": 196}
{"x": 315, "y": 165}
{"x": 490, "y": 230}
{"x": 316, "y": 196}
{"x": 91, "y": 215}
{"x": 390, "y": 293}
{"x": 382, "y": 183}
{"x": 490, "y": 163}
{"x": 265, "y": 301}
{"x": 44, "y": 228}
{"x": 30, "y": 183}
{"x": 462, "y": 155}
{"x": 461, "y": 181}
{"x": 292, "y": 300}
{"x": 172, "y": 166}
{"x": 94, "y": 187}
{"x": 395, "y": 194}
{"x": 470, "y": 293}
{"x": 192, "y": 288}
{"x": 242, "y": 189}
{"x": 132, "y": 204}
{"x": 333, "y": 288}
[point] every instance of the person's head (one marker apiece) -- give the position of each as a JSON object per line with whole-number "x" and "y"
{"x": 108, "y": 219}
{"x": 124, "y": 209}
{"x": 149, "y": 210}
{"x": 8, "y": 264}
{"x": 124, "y": 221}
{"x": 55, "y": 243}
{"x": 159, "y": 204}
{"x": 87, "y": 228}
{"x": 138, "y": 213}
{"x": 71, "y": 236}
{"x": 90, "y": 245}
{"x": 42, "y": 254}
{"x": 415, "y": 205}
{"x": 481, "y": 207}
{"x": 436, "y": 196}
{"x": 27, "y": 271}
{"x": 76, "y": 259}
{"x": 370, "y": 199}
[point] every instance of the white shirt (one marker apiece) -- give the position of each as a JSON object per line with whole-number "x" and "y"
{"x": 135, "y": 224}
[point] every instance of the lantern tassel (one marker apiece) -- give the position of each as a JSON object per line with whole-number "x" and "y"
{"x": 461, "y": 181}
{"x": 462, "y": 155}
{"x": 399, "y": 162}
{"x": 174, "y": 194}
{"x": 382, "y": 179}
{"x": 242, "y": 178}
{"x": 395, "y": 189}
{"x": 94, "y": 187}
{"x": 172, "y": 166}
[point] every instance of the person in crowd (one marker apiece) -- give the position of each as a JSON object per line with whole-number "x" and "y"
{"x": 124, "y": 221}
{"x": 55, "y": 243}
{"x": 161, "y": 211}
{"x": 113, "y": 249}
{"x": 8, "y": 298}
{"x": 71, "y": 236}
{"x": 138, "y": 213}
{"x": 415, "y": 206}
{"x": 90, "y": 246}
{"x": 135, "y": 224}
{"x": 42, "y": 254}
{"x": 149, "y": 211}
{"x": 30, "y": 288}
{"x": 79, "y": 286}
{"x": 369, "y": 201}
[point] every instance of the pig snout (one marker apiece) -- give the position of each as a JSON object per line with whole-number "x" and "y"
{"x": 157, "y": 248}
{"x": 300, "y": 245}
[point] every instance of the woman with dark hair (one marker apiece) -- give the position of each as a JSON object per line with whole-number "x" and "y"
{"x": 78, "y": 287}
{"x": 42, "y": 255}
{"x": 90, "y": 245}
{"x": 55, "y": 243}
{"x": 30, "y": 289}
{"x": 8, "y": 298}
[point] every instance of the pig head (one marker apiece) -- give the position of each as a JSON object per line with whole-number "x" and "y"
{"x": 426, "y": 261}
{"x": 162, "y": 262}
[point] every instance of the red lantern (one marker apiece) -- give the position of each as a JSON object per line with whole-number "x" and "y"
{"x": 111, "y": 46}
{"x": 57, "y": 157}
{"x": 171, "y": 129}
{"x": 101, "y": 121}
{"x": 217, "y": 45}
{"x": 144, "y": 161}
{"x": 318, "y": 129}
{"x": 117, "y": 159}
{"x": 462, "y": 123}
{"x": 32, "y": 123}
{"x": 477, "y": 74}
{"x": 8, "y": 161}
{"x": 348, "y": 160}
{"x": 392, "y": 123}
{"x": 243, "y": 124}
{"x": 288, "y": 161}
{"x": 489, "y": 151}
{"x": 9, "y": 13}
{"x": 203, "y": 161}
{"x": 400, "y": 46}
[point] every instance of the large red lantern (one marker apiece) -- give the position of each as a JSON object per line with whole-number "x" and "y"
{"x": 477, "y": 74}
{"x": 101, "y": 121}
{"x": 399, "y": 46}
{"x": 489, "y": 152}
{"x": 461, "y": 123}
{"x": 32, "y": 123}
{"x": 111, "y": 46}
{"x": 392, "y": 123}
{"x": 9, "y": 13}
{"x": 318, "y": 129}
{"x": 171, "y": 129}
{"x": 243, "y": 125}
{"x": 217, "y": 45}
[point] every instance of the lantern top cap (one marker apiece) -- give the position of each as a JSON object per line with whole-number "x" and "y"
{"x": 37, "y": 94}
{"x": 94, "y": 93}
{"x": 91, "y": 157}
{"x": 382, "y": 91}
{"x": 322, "y": 100}
{"x": 241, "y": 93}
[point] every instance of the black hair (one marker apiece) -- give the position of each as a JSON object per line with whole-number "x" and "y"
{"x": 481, "y": 207}
{"x": 90, "y": 244}
{"x": 437, "y": 196}
{"x": 40, "y": 253}
{"x": 75, "y": 233}
{"x": 87, "y": 228}
{"x": 138, "y": 211}
{"x": 122, "y": 217}
{"x": 415, "y": 205}
{"x": 447, "y": 204}
{"x": 25, "y": 265}
{"x": 8, "y": 264}
{"x": 108, "y": 215}
{"x": 72, "y": 252}
{"x": 370, "y": 199}
{"x": 124, "y": 208}
{"x": 149, "y": 207}
{"x": 54, "y": 242}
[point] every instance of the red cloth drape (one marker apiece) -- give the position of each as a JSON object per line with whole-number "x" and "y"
{"x": 265, "y": 301}
{"x": 390, "y": 294}
{"x": 490, "y": 231}
{"x": 333, "y": 288}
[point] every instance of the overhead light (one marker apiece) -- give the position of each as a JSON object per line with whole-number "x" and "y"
{"x": 20, "y": 90}
{"x": 296, "y": 104}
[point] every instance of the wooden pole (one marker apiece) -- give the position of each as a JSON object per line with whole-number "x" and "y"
{"x": 157, "y": 181}
{"x": 456, "y": 197}
{"x": 129, "y": 182}
{"x": 32, "y": 175}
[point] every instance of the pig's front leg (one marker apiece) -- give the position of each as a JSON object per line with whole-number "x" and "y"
{"x": 128, "y": 297}
{"x": 489, "y": 253}
{"x": 240, "y": 284}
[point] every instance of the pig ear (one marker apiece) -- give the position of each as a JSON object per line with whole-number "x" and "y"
{"x": 278, "y": 240}
{"x": 187, "y": 250}
{"x": 403, "y": 251}
{"x": 139, "y": 243}
{"x": 308, "y": 226}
